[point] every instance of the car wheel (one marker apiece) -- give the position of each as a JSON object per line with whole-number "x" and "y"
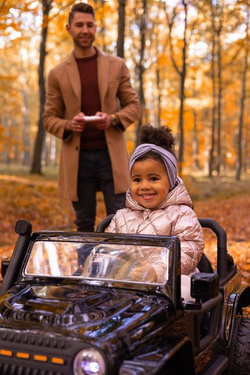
{"x": 239, "y": 353}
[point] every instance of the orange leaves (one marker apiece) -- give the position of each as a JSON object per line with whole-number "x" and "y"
{"x": 233, "y": 215}
{"x": 31, "y": 201}
{"x": 163, "y": 59}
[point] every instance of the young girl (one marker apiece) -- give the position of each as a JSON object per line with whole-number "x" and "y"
{"x": 158, "y": 203}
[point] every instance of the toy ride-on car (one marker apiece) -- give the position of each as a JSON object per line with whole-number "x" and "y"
{"x": 69, "y": 306}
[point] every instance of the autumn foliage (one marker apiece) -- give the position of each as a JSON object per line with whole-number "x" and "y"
{"x": 188, "y": 63}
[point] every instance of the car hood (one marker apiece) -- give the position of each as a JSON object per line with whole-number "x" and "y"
{"x": 86, "y": 310}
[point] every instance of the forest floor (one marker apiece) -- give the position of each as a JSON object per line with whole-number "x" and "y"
{"x": 34, "y": 198}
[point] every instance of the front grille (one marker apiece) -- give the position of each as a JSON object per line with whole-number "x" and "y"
{"x": 44, "y": 340}
{"x": 11, "y": 369}
{"x": 36, "y": 353}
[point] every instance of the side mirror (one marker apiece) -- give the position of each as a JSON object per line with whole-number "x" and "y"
{"x": 204, "y": 285}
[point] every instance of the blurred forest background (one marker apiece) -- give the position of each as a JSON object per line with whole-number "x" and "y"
{"x": 189, "y": 63}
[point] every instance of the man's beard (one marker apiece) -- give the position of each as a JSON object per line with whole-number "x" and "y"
{"x": 86, "y": 45}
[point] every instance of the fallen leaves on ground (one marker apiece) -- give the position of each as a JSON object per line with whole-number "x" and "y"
{"x": 233, "y": 215}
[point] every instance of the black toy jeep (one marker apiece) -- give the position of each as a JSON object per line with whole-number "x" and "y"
{"x": 69, "y": 306}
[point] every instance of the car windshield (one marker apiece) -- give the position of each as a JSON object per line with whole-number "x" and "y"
{"x": 100, "y": 261}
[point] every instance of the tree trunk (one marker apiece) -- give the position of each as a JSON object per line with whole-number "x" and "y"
{"x": 121, "y": 29}
{"x": 182, "y": 74}
{"x": 212, "y": 147}
{"x": 158, "y": 81}
{"x": 25, "y": 160}
{"x": 219, "y": 99}
{"x": 39, "y": 142}
{"x": 143, "y": 28}
{"x": 241, "y": 115}
{"x": 182, "y": 93}
{"x": 195, "y": 143}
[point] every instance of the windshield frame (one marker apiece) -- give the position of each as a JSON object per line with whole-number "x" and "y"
{"x": 170, "y": 288}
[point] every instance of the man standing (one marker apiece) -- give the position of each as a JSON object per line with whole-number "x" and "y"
{"x": 94, "y": 155}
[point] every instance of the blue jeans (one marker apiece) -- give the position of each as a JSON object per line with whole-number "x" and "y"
{"x": 95, "y": 174}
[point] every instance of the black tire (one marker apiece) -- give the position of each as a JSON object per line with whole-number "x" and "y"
{"x": 239, "y": 353}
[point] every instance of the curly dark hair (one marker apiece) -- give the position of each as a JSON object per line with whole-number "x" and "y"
{"x": 159, "y": 136}
{"x": 80, "y": 8}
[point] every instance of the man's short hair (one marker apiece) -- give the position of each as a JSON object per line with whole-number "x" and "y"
{"x": 80, "y": 8}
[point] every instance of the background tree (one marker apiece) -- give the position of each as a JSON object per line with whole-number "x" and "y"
{"x": 36, "y": 167}
{"x": 121, "y": 28}
{"x": 242, "y": 100}
{"x": 140, "y": 23}
{"x": 182, "y": 74}
{"x": 213, "y": 69}
{"x": 38, "y": 148}
{"x": 218, "y": 30}
{"x": 18, "y": 107}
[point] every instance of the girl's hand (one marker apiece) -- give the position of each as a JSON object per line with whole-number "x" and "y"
{"x": 145, "y": 272}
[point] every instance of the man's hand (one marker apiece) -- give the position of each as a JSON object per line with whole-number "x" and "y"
{"x": 104, "y": 122}
{"x": 78, "y": 123}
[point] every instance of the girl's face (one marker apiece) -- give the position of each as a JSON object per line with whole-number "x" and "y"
{"x": 149, "y": 183}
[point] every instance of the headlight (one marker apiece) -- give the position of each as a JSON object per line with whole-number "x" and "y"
{"x": 89, "y": 362}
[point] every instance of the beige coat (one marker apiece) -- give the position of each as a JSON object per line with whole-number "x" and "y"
{"x": 174, "y": 216}
{"x": 63, "y": 102}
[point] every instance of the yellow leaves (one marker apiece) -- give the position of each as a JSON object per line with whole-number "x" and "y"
{"x": 130, "y": 146}
{"x": 22, "y": 6}
{"x": 15, "y": 17}
{"x": 32, "y": 201}
{"x": 8, "y": 78}
{"x": 162, "y": 60}
{"x": 7, "y": 29}
{"x": 169, "y": 117}
{"x": 233, "y": 215}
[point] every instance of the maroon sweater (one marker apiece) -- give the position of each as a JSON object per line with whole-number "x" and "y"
{"x": 91, "y": 137}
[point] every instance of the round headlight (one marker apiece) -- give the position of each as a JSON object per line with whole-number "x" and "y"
{"x": 89, "y": 361}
